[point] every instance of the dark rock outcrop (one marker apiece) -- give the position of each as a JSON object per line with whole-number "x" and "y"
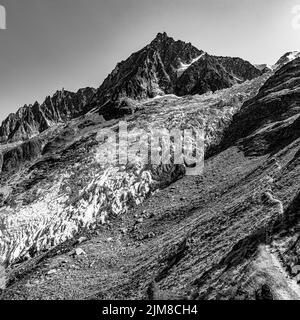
{"x": 271, "y": 119}
{"x": 204, "y": 75}
{"x": 34, "y": 119}
{"x": 240, "y": 69}
{"x": 26, "y": 151}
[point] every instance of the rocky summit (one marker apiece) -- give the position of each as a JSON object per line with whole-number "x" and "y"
{"x": 77, "y": 225}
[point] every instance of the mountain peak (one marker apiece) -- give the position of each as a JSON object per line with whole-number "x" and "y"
{"x": 162, "y": 37}
{"x": 168, "y": 66}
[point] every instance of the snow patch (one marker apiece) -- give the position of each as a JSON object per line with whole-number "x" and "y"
{"x": 293, "y": 55}
{"x": 183, "y": 66}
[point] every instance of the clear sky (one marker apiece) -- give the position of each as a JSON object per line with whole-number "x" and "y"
{"x": 50, "y": 44}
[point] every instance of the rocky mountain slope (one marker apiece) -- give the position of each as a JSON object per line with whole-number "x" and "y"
{"x": 269, "y": 121}
{"x": 75, "y": 225}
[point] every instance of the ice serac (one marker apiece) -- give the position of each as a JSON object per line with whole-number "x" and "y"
{"x": 31, "y": 120}
{"x": 166, "y": 66}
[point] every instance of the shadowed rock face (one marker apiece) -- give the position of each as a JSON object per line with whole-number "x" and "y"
{"x": 271, "y": 119}
{"x": 239, "y": 68}
{"x": 34, "y": 119}
{"x": 12, "y": 159}
{"x": 211, "y": 73}
{"x": 207, "y": 74}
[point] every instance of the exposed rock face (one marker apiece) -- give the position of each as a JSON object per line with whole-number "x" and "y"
{"x": 210, "y": 73}
{"x": 12, "y": 159}
{"x": 204, "y": 75}
{"x": 242, "y": 70}
{"x": 34, "y": 119}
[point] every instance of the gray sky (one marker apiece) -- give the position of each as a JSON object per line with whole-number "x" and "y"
{"x": 50, "y": 44}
